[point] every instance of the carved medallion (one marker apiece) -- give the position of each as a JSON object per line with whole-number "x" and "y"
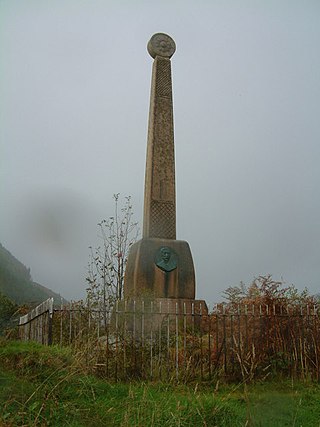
{"x": 161, "y": 44}
{"x": 166, "y": 259}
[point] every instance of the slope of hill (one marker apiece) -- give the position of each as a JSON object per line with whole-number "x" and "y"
{"x": 16, "y": 282}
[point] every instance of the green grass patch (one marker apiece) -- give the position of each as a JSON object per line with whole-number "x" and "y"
{"x": 284, "y": 404}
{"x": 47, "y": 386}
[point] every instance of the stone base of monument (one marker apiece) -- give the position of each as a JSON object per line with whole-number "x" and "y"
{"x": 143, "y": 316}
{"x": 160, "y": 268}
{"x": 159, "y": 287}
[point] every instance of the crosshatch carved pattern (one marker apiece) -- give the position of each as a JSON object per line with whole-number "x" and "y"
{"x": 163, "y": 220}
{"x": 163, "y": 80}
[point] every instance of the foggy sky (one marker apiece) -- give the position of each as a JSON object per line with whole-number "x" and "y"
{"x": 74, "y": 90}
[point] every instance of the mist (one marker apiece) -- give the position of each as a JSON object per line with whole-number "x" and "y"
{"x": 74, "y": 110}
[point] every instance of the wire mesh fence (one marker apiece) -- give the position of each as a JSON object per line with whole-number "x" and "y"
{"x": 153, "y": 340}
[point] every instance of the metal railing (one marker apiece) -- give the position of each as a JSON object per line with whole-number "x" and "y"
{"x": 148, "y": 339}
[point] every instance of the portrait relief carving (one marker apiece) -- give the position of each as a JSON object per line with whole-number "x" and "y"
{"x": 166, "y": 259}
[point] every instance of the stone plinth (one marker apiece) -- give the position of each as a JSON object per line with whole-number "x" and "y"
{"x": 142, "y": 316}
{"x": 148, "y": 274}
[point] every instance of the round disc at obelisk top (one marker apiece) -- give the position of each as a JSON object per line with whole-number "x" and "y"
{"x": 161, "y": 44}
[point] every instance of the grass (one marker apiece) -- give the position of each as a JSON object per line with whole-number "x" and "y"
{"x": 48, "y": 386}
{"x": 285, "y": 404}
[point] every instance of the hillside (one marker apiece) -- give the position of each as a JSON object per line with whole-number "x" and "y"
{"x": 17, "y": 284}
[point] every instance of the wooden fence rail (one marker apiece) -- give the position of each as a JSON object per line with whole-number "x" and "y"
{"x": 37, "y": 324}
{"x": 142, "y": 339}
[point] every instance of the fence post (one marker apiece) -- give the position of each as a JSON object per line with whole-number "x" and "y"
{"x": 70, "y": 322}
{"x": 184, "y": 336}
{"x": 151, "y": 339}
{"x": 61, "y": 320}
{"x": 117, "y": 339}
{"x": 134, "y": 342}
{"x": 224, "y": 339}
{"x": 232, "y": 341}
{"x": 177, "y": 343}
{"x": 201, "y": 342}
{"x": 209, "y": 344}
{"x": 50, "y": 319}
{"x": 160, "y": 337}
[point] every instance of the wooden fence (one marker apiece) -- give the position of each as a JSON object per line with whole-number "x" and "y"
{"x": 37, "y": 324}
{"x": 141, "y": 339}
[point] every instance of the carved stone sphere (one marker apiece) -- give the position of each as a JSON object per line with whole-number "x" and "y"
{"x": 161, "y": 44}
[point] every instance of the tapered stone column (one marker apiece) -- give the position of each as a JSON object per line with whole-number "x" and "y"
{"x": 160, "y": 197}
{"x": 159, "y": 266}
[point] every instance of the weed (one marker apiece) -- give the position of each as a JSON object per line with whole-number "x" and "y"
{"x": 43, "y": 386}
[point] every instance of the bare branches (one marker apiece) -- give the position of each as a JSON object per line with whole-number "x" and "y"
{"x": 107, "y": 262}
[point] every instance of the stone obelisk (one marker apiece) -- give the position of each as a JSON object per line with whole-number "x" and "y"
{"x": 160, "y": 196}
{"x": 159, "y": 266}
